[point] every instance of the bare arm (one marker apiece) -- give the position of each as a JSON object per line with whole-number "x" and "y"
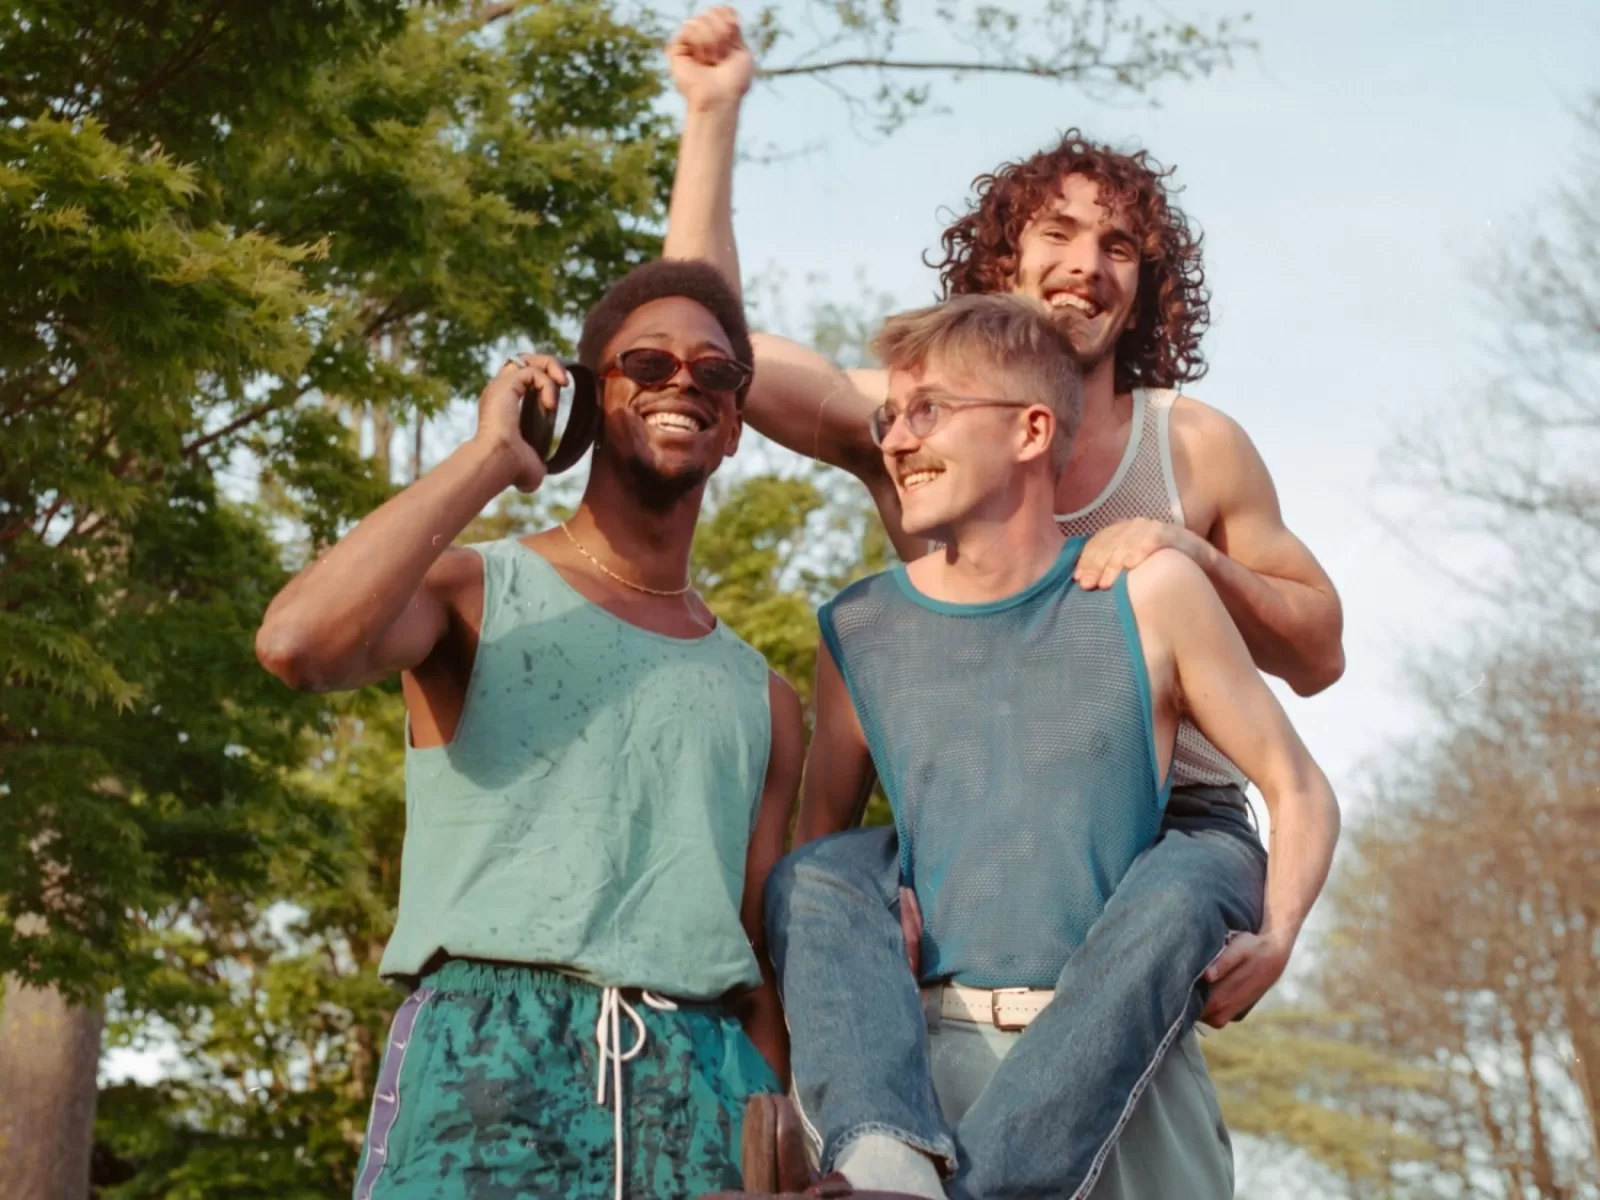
{"x": 712, "y": 69}
{"x": 1272, "y": 586}
{"x": 1274, "y": 589}
{"x": 379, "y": 601}
{"x": 761, "y": 1010}
{"x": 798, "y": 398}
{"x": 839, "y": 773}
{"x": 1222, "y": 692}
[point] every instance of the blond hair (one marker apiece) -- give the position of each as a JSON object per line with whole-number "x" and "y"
{"x": 1003, "y": 338}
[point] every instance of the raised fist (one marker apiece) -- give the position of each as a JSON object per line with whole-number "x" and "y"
{"x": 711, "y": 65}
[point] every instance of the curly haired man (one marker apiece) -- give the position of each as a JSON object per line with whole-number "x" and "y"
{"x": 1199, "y": 927}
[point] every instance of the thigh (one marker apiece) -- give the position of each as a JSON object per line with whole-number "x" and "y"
{"x": 506, "y": 1101}
{"x": 1211, "y": 864}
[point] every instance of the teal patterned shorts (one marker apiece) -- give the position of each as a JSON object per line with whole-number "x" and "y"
{"x": 488, "y": 1092}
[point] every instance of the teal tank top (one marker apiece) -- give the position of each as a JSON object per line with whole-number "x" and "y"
{"x": 1015, "y": 741}
{"x": 593, "y": 810}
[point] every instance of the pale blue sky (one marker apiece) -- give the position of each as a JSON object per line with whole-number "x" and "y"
{"x": 1351, "y": 181}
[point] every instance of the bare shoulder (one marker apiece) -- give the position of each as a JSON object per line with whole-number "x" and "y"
{"x": 456, "y": 568}
{"x": 1207, "y": 434}
{"x": 1168, "y": 585}
{"x": 783, "y": 699}
{"x": 455, "y": 580}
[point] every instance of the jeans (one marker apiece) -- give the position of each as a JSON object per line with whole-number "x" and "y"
{"x": 1044, "y": 1125}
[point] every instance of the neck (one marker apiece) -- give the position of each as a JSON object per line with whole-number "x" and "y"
{"x": 1099, "y": 396}
{"x": 655, "y": 542}
{"x": 989, "y": 556}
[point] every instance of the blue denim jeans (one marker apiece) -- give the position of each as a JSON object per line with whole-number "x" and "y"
{"x": 1047, "y": 1120}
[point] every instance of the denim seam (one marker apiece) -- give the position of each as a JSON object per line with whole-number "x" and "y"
{"x": 1139, "y": 1086}
{"x": 944, "y": 1152}
{"x": 811, "y": 1133}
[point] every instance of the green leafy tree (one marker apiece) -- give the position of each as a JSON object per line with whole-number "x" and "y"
{"x": 238, "y": 237}
{"x": 252, "y": 249}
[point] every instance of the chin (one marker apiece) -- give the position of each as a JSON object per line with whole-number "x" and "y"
{"x": 1090, "y": 346}
{"x": 922, "y": 521}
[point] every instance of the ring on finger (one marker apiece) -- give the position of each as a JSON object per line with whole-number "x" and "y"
{"x": 517, "y": 361}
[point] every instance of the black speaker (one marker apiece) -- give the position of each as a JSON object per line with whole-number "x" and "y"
{"x": 538, "y": 426}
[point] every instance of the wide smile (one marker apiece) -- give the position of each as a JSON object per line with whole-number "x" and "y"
{"x": 676, "y": 419}
{"x": 920, "y": 477}
{"x": 1073, "y": 302}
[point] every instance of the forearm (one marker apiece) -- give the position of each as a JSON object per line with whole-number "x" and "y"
{"x": 1293, "y": 630}
{"x": 1305, "y": 830}
{"x": 340, "y": 605}
{"x": 700, "y": 214}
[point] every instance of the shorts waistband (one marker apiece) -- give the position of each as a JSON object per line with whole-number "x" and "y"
{"x": 483, "y": 977}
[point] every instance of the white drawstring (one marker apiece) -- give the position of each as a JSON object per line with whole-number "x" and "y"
{"x": 608, "y": 1037}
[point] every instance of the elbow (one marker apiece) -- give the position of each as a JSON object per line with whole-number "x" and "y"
{"x": 1320, "y": 673}
{"x": 287, "y": 653}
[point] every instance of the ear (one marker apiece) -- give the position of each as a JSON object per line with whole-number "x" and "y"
{"x": 735, "y": 429}
{"x": 1039, "y": 433}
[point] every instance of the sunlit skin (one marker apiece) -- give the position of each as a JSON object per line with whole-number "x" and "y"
{"x": 965, "y": 470}
{"x": 1082, "y": 261}
{"x": 642, "y": 431}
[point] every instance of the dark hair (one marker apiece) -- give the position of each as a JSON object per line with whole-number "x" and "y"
{"x": 1161, "y": 345}
{"x": 692, "y": 279}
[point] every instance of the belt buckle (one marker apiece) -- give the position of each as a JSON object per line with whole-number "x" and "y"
{"x": 994, "y": 1009}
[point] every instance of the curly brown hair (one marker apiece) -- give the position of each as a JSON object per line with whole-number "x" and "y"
{"x": 1161, "y": 345}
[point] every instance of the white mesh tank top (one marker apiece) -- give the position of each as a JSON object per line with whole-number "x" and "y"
{"x": 1144, "y": 486}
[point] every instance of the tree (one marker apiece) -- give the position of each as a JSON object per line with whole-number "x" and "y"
{"x": 1095, "y": 45}
{"x": 248, "y": 247}
{"x": 1468, "y": 927}
{"x": 1511, "y": 469}
{"x": 1467, "y": 931}
{"x": 227, "y": 225}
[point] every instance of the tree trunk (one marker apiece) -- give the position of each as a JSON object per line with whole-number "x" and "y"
{"x": 49, "y": 1058}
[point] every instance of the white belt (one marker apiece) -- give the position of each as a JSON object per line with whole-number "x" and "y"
{"x": 608, "y": 1037}
{"x": 1004, "y": 1008}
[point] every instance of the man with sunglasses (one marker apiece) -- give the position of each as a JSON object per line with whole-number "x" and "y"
{"x": 599, "y": 778}
{"x": 1024, "y": 730}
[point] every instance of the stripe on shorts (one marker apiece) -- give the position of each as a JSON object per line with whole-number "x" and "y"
{"x": 386, "y": 1096}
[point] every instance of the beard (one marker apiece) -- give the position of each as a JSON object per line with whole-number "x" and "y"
{"x": 656, "y": 490}
{"x": 1092, "y": 343}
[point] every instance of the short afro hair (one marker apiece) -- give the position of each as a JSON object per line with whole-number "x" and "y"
{"x": 693, "y": 279}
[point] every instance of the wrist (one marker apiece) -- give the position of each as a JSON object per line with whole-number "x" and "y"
{"x": 491, "y": 461}
{"x": 1280, "y": 938}
{"x": 715, "y": 110}
{"x": 1206, "y": 556}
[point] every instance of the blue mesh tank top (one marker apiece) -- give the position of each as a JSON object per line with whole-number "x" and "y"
{"x": 1016, "y": 744}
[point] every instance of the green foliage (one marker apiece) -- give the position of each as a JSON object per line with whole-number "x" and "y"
{"x": 245, "y": 244}
{"x": 1297, "y": 1078}
{"x": 355, "y": 204}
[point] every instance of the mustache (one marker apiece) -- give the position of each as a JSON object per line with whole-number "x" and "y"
{"x": 915, "y": 462}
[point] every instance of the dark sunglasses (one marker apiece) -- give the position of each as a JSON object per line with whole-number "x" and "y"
{"x": 650, "y": 368}
{"x": 924, "y": 414}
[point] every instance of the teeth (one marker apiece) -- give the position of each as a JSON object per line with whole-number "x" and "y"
{"x": 1067, "y": 300}
{"x": 678, "y": 422}
{"x": 918, "y": 478}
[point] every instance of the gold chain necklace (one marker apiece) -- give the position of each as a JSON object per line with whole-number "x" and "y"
{"x": 638, "y": 587}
